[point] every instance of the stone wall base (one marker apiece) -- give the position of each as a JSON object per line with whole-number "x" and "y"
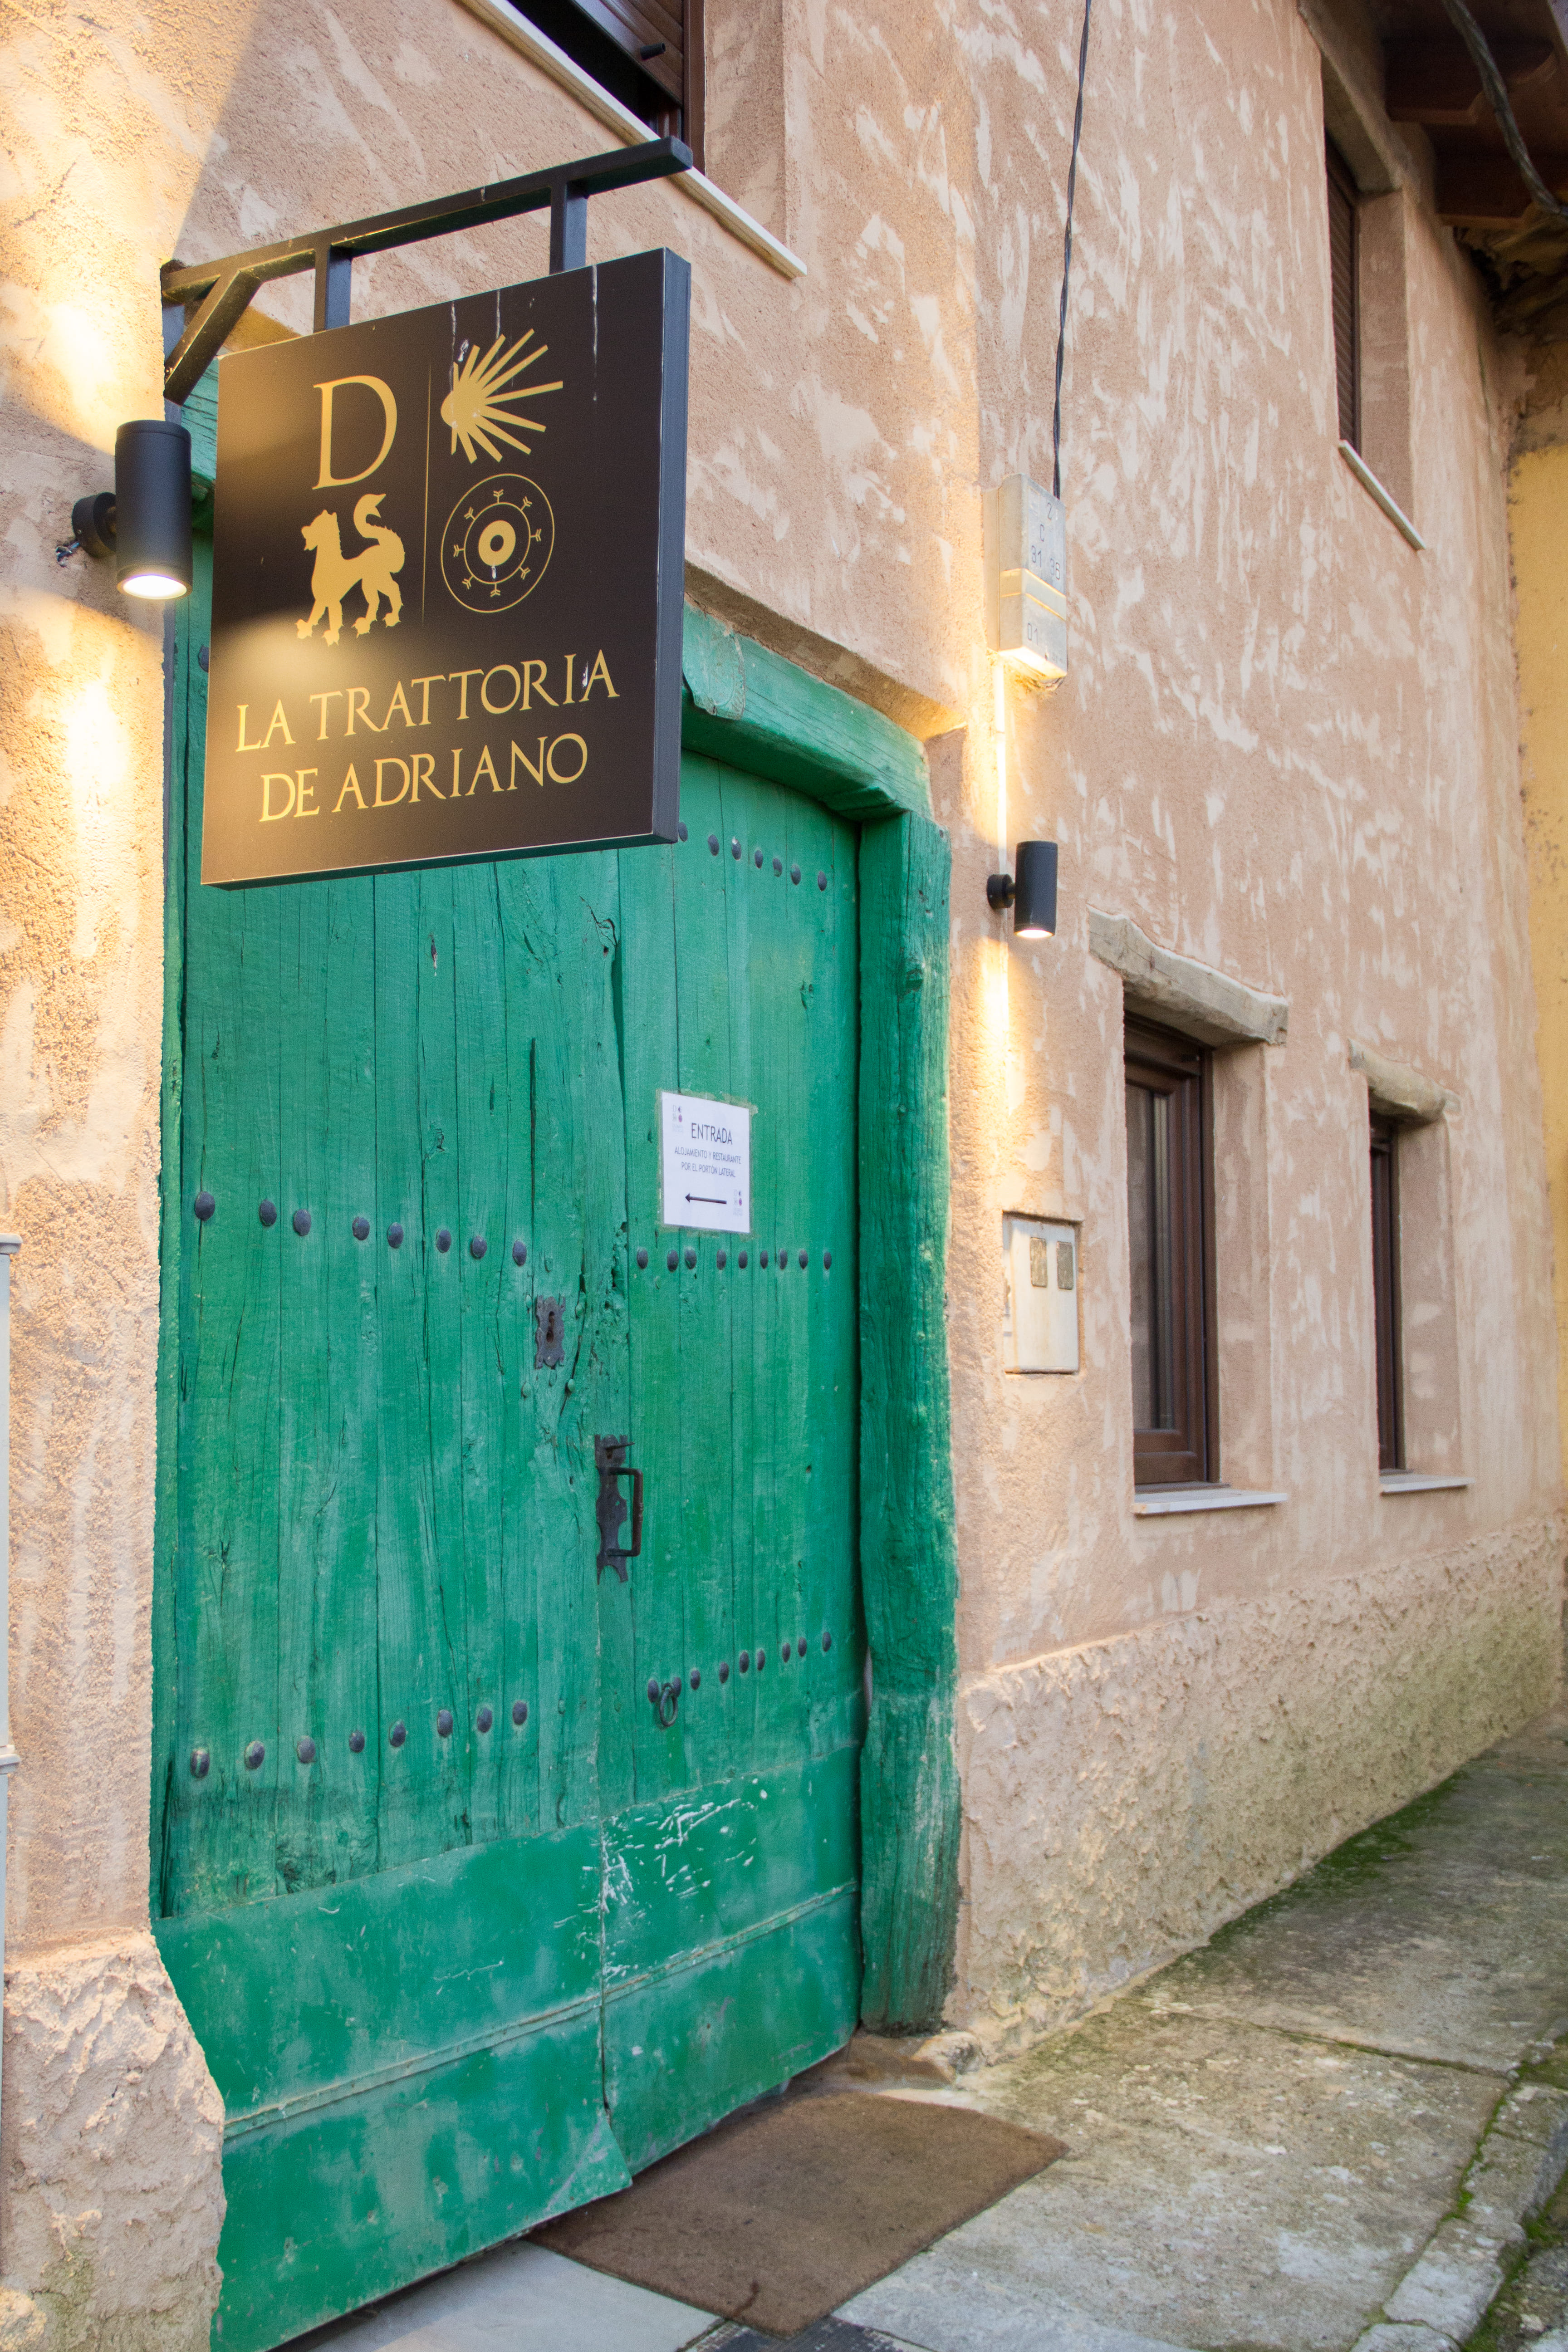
{"x": 1123, "y": 1801}
{"x": 111, "y": 2158}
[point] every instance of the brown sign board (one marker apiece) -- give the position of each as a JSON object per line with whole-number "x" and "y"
{"x": 447, "y": 573}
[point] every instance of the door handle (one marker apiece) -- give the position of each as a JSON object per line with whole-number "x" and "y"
{"x": 610, "y": 1461}
{"x": 664, "y": 1697}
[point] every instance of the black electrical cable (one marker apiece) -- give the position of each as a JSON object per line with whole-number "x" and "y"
{"x": 1495, "y": 89}
{"x": 1067, "y": 259}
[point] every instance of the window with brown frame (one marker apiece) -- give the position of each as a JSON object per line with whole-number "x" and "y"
{"x": 1385, "y": 1292}
{"x": 1344, "y": 278}
{"x": 646, "y": 53}
{"x": 1170, "y": 1221}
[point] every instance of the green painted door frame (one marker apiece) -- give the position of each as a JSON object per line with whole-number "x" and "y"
{"x": 753, "y": 710}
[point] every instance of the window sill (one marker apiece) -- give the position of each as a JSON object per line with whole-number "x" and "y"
{"x": 1149, "y": 1506}
{"x": 518, "y": 34}
{"x": 1375, "y": 492}
{"x": 1416, "y": 1482}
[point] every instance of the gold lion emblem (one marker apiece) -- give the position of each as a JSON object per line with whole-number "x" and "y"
{"x": 477, "y": 407}
{"x": 371, "y": 571}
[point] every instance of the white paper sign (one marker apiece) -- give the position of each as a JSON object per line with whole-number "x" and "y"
{"x": 706, "y": 1160}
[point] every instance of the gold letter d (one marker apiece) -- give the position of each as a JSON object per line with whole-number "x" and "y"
{"x": 329, "y": 481}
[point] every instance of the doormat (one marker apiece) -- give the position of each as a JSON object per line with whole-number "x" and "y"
{"x": 779, "y": 2216}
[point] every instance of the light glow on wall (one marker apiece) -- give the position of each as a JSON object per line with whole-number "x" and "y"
{"x": 999, "y": 724}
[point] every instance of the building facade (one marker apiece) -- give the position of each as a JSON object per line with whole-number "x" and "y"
{"x": 1249, "y": 1152}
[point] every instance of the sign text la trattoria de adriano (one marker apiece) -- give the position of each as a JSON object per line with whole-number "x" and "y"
{"x": 447, "y": 580}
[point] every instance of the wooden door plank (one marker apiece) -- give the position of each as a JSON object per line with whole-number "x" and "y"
{"x": 411, "y": 2178}
{"x": 569, "y": 1206}
{"x": 644, "y": 1629}
{"x": 532, "y": 1781}
{"x": 421, "y": 1663}
{"x": 307, "y": 1534}
{"x": 696, "y": 1353}
{"x": 222, "y": 1843}
{"x": 410, "y": 2067}
{"x": 819, "y": 1017}
{"x": 768, "y": 1424}
{"x": 730, "y": 1946}
{"x": 483, "y": 1115}
{"x": 749, "y": 1300}
{"x": 328, "y": 1378}
{"x": 688, "y": 2049}
{"x": 341, "y": 1695}
{"x": 448, "y": 1788}
{"x": 795, "y": 1002}
{"x": 831, "y": 1547}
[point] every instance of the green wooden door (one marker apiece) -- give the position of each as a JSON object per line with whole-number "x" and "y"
{"x": 469, "y": 1928}
{"x": 730, "y": 1834}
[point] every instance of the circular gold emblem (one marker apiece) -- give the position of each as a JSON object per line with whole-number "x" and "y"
{"x": 498, "y": 539}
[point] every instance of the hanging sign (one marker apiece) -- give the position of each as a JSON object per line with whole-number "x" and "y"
{"x": 705, "y": 1156}
{"x": 448, "y": 572}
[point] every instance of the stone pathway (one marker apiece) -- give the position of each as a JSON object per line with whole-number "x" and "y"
{"x": 1323, "y": 2131}
{"x": 1331, "y": 2130}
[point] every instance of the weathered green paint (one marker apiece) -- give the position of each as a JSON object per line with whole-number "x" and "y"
{"x": 418, "y": 2050}
{"x": 450, "y": 1986}
{"x": 761, "y": 1874}
{"x": 756, "y": 710}
{"x": 908, "y": 1777}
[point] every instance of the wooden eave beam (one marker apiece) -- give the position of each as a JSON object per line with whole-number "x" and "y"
{"x": 1485, "y": 191}
{"x": 1430, "y": 77}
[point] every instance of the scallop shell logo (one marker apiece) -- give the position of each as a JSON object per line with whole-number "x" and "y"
{"x": 479, "y": 408}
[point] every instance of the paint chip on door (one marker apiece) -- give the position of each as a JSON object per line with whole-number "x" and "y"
{"x": 705, "y": 1155}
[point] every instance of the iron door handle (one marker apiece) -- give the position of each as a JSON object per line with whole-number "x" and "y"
{"x": 610, "y": 1461}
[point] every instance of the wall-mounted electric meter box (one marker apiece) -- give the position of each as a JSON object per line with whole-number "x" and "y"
{"x": 1027, "y": 577}
{"x": 1039, "y": 1313}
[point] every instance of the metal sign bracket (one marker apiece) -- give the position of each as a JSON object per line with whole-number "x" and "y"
{"x": 215, "y": 294}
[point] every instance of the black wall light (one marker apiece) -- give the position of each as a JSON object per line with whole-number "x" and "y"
{"x": 1031, "y": 893}
{"x": 145, "y": 521}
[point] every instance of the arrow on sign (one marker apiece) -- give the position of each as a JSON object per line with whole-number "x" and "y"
{"x": 706, "y": 1202}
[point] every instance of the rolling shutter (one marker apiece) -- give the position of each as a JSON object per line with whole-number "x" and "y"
{"x": 648, "y": 53}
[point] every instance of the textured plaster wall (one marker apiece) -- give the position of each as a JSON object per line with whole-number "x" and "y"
{"x": 1124, "y": 1800}
{"x": 112, "y": 2150}
{"x": 1538, "y": 515}
{"x": 1287, "y": 745}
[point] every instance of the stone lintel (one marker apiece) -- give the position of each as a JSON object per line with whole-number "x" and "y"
{"x": 1396, "y": 1091}
{"x": 1183, "y": 993}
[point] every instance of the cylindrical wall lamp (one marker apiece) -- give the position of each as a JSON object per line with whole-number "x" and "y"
{"x": 146, "y": 524}
{"x": 1031, "y": 892}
